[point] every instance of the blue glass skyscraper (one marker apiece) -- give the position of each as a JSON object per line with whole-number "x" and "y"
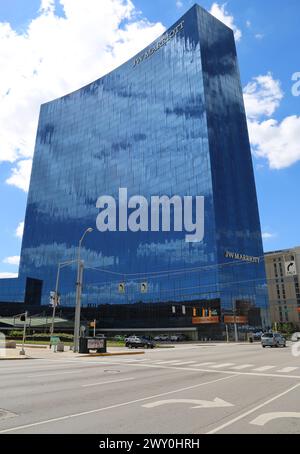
{"x": 170, "y": 121}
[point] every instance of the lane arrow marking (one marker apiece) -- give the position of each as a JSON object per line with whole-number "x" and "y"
{"x": 267, "y": 417}
{"x": 216, "y": 403}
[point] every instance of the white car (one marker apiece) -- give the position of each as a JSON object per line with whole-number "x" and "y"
{"x": 161, "y": 338}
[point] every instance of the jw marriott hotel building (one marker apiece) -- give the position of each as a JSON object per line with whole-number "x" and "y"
{"x": 170, "y": 121}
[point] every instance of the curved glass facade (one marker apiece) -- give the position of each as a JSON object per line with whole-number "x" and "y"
{"x": 170, "y": 121}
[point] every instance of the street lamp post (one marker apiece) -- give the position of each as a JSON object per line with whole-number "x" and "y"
{"x": 236, "y": 333}
{"x": 78, "y": 293}
{"x": 24, "y": 317}
{"x": 56, "y": 298}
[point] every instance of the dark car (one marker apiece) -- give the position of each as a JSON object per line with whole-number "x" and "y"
{"x": 139, "y": 342}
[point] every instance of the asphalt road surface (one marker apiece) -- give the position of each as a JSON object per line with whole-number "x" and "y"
{"x": 191, "y": 389}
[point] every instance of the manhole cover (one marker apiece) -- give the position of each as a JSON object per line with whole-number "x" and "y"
{"x": 6, "y": 414}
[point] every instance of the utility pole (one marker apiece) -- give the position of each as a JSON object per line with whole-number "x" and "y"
{"x": 80, "y": 266}
{"x": 227, "y": 333}
{"x": 56, "y": 295}
{"x": 78, "y": 306}
{"x": 236, "y": 334}
{"x": 24, "y": 317}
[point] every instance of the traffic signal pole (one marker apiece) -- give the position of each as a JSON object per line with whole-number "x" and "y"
{"x": 22, "y": 352}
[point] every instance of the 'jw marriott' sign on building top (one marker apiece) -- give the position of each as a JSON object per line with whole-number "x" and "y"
{"x": 162, "y": 42}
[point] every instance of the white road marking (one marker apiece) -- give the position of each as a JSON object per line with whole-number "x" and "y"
{"x": 221, "y": 366}
{"x": 262, "y": 420}
{"x": 216, "y": 403}
{"x": 166, "y": 362}
{"x": 203, "y": 364}
{"x": 133, "y": 360}
{"x": 107, "y": 382}
{"x": 185, "y": 363}
{"x": 253, "y": 410}
{"x": 286, "y": 370}
{"x": 196, "y": 367}
{"x": 76, "y": 371}
{"x": 98, "y": 410}
{"x": 243, "y": 366}
{"x": 264, "y": 368}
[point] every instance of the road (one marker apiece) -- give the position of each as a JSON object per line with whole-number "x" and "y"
{"x": 190, "y": 389}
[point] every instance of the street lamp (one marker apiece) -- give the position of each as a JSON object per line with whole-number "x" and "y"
{"x": 78, "y": 293}
{"x": 56, "y": 297}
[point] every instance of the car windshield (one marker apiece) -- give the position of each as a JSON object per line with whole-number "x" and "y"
{"x": 268, "y": 335}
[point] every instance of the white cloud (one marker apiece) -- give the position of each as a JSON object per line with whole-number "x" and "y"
{"x": 262, "y": 96}
{"x": 19, "y": 230}
{"x": 14, "y": 260}
{"x": 219, "y": 11}
{"x": 21, "y": 175}
{"x": 56, "y": 55}
{"x": 259, "y": 36}
{"x": 179, "y": 4}
{"x": 8, "y": 275}
{"x": 276, "y": 141}
{"x": 268, "y": 236}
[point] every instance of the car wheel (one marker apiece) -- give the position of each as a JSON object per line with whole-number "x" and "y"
{"x": 263, "y": 346}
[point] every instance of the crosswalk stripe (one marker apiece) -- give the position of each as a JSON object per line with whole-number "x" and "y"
{"x": 264, "y": 368}
{"x": 203, "y": 364}
{"x": 166, "y": 362}
{"x": 220, "y": 366}
{"x": 185, "y": 363}
{"x": 285, "y": 370}
{"x": 243, "y": 366}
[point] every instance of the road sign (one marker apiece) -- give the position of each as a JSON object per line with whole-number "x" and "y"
{"x": 122, "y": 287}
{"x": 290, "y": 268}
{"x": 54, "y": 299}
{"x": 144, "y": 287}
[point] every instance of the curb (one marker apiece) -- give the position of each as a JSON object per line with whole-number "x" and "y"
{"x": 111, "y": 354}
{"x": 33, "y": 346}
{"x": 15, "y": 359}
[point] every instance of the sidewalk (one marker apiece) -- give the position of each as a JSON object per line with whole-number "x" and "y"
{"x": 40, "y": 352}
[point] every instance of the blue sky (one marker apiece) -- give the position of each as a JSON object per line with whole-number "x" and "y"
{"x": 48, "y": 48}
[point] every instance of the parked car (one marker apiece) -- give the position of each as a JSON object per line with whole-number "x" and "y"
{"x": 139, "y": 342}
{"x": 118, "y": 338}
{"x": 162, "y": 338}
{"x": 177, "y": 338}
{"x": 257, "y": 335}
{"x": 273, "y": 340}
{"x": 295, "y": 337}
